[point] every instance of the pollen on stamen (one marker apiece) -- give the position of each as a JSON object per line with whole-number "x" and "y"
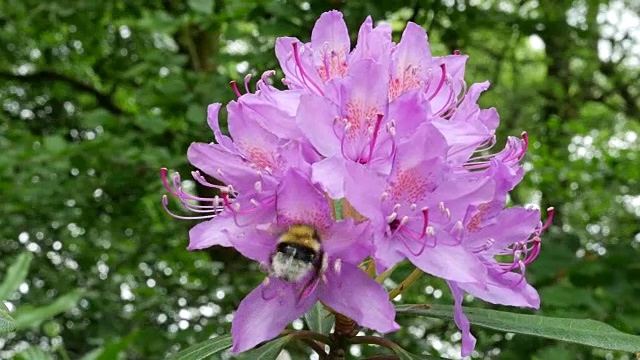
{"x": 324, "y": 278}
{"x": 391, "y": 218}
{"x": 447, "y": 213}
{"x": 441, "y": 207}
{"x": 258, "y": 186}
{"x": 236, "y": 206}
{"x": 384, "y": 196}
{"x": 414, "y": 206}
{"x": 430, "y": 231}
{"x": 405, "y": 219}
{"x": 253, "y": 201}
{"x": 337, "y": 266}
{"x": 396, "y": 207}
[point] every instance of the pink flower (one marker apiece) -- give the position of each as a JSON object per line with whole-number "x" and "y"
{"x": 393, "y": 131}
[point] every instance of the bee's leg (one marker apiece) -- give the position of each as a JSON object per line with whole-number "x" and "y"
{"x": 312, "y": 284}
{"x": 309, "y": 287}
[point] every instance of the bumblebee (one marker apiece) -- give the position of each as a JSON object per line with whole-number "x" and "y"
{"x": 298, "y": 255}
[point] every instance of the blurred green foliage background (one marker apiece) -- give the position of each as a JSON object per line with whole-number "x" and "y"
{"x": 96, "y": 96}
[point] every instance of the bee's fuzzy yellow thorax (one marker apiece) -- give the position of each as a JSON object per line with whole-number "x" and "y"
{"x": 304, "y": 235}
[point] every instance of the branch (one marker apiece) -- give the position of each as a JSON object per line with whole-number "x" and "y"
{"x": 105, "y": 100}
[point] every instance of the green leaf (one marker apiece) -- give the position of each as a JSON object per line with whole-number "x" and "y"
{"x": 30, "y": 317}
{"x": 113, "y": 350}
{"x": 34, "y": 353}
{"x": 405, "y": 355}
{"x": 204, "y": 349}
{"x": 579, "y": 331}
{"x": 268, "y": 351}
{"x": 55, "y": 143}
{"x": 93, "y": 354}
{"x": 7, "y": 324}
{"x": 15, "y": 275}
{"x": 202, "y": 6}
{"x": 196, "y": 114}
{"x": 319, "y": 319}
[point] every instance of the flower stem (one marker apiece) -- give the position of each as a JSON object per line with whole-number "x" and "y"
{"x": 371, "y": 268}
{"x": 405, "y": 283}
{"x": 382, "y": 277}
{"x": 322, "y": 355}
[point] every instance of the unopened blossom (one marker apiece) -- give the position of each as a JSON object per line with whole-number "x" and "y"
{"x": 341, "y": 286}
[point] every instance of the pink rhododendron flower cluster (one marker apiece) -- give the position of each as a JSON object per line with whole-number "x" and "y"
{"x": 394, "y": 132}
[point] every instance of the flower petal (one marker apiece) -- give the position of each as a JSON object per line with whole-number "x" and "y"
{"x": 293, "y": 77}
{"x": 315, "y": 119}
{"x": 256, "y": 244}
{"x": 214, "y": 123}
{"x": 223, "y": 165}
{"x": 329, "y": 173}
{"x": 449, "y": 262}
{"x": 509, "y": 226}
{"x": 260, "y": 318}
{"x": 274, "y": 111}
{"x": 351, "y": 292}
{"x": 363, "y": 190}
{"x": 212, "y": 232}
{"x": 299, "y": 202}
{"x": 411, "y": 59}
{"x": 468, "y": 340}
{"x": 331, "y": 45}
{"x": 348, "y": 241}
{"x": 409, "y": 110}
{"x": 372, "y": 43}
{"x": 505, "y": 289}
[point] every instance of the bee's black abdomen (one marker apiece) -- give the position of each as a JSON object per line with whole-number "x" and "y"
{"x": 298, "y": 252}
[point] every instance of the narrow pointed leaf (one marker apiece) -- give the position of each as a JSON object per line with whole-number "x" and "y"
{"x": 15, "y": 275}
{"x": 204, "y": 349}
{"x": 29, "y": 317}
{"x": 319, "y": 319}
{"x": 579, "y": 331}
{"x": 268, "y": 351}
{"x": 7, "y": 324}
